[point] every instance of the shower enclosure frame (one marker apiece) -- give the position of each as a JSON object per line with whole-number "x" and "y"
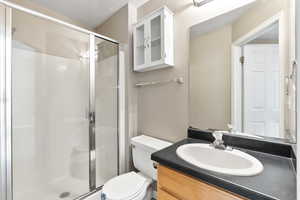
{"x": 6, "y": 185}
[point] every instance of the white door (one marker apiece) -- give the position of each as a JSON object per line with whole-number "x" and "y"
{"x": 262, "y": 89}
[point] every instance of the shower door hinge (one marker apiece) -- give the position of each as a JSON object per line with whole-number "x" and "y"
{"x": 242, "y": 60}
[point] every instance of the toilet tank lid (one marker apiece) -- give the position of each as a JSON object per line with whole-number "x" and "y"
{"x": 149, "y": 143}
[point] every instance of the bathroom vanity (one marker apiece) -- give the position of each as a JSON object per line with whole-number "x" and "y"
{"x": 174, "y": 185}
{"x": 178, "y": 179}
{"x": 237, "y": 85}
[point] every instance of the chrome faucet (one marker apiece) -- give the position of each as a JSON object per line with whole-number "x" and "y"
{"x": 218, "y": 143}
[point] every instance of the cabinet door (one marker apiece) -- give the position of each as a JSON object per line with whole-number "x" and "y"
{"x": 170, "y": 180}
{"x": 156, "y": 38}
{"x": 140, "y": 45}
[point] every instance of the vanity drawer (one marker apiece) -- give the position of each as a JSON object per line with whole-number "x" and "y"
{"x": 175, "y": 185}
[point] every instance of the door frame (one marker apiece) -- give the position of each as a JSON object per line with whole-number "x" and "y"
{"x": 236, "y": 71}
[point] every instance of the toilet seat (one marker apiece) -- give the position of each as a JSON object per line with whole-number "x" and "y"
{"x": 130, "y": 186}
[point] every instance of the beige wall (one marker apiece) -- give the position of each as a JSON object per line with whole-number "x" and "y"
{"x": 258, "y": 13}
{"x": 116, "y": 26}
{"x": 36, "y": 7}
{"x": 46, "y": 36}
{"x": 163, "y": 110}
{"x": 246, "y": 23}
{"x": 210, "y": 64}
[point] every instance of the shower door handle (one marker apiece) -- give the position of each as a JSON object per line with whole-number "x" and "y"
{"x": 92, "y": 117}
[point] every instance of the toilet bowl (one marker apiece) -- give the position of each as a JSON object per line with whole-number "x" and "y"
{"x": 133, "y": 185}
{"x": 130, "y": 186}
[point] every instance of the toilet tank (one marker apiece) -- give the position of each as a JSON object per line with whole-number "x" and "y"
{"x": 142, "y": 148}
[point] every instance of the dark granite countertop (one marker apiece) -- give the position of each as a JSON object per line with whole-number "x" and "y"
{"x": 277, "y": 181}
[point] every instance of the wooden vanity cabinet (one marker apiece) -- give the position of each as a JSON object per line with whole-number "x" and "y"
{"x": 173, "y": 185}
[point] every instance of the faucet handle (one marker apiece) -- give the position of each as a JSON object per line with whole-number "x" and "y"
{"x": 218, "y": 135}
{"x": 231, "y": 128}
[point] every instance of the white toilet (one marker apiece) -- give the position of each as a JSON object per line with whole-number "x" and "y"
{"x": 132, "y": 185}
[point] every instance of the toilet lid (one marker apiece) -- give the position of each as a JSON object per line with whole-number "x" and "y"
{"x": 124, "y": 186}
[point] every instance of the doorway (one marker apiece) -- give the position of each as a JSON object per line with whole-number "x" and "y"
{"x": 258, "y": 81}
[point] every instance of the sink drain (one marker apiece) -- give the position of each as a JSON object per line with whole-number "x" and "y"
{"x": 64, "y": 195}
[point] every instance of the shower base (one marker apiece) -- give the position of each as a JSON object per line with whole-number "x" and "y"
{"x": 64, "y": 189}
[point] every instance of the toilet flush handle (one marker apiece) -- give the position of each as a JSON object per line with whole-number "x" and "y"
{"x": 155, "y": 165}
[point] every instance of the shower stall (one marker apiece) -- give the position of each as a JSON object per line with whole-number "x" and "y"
{"x": 59, "y": 107}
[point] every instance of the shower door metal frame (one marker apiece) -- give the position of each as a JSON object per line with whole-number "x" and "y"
{"x": 6, "y": 185}
{"x": 2, "y": 105}
{"x": 6, "y": 118}
{"x": 92, "y": 122}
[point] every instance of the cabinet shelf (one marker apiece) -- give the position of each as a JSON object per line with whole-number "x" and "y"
{"x": 155, "y": 39}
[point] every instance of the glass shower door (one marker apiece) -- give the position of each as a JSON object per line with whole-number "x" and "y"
{"x": 106, "y": 107}
{"x": 50, "y": 105}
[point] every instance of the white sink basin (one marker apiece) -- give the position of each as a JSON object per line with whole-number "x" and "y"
{"x": 231, "y": 162}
